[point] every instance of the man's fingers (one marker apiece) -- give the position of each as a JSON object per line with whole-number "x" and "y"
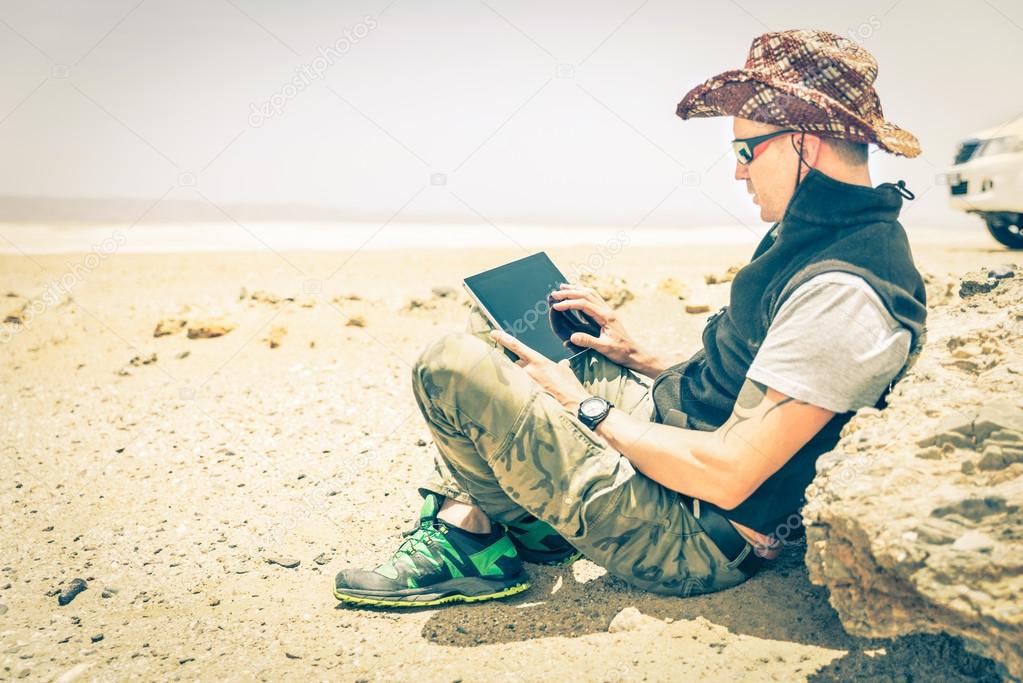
{"x": 586, "y": 306}
{"x": 586, "y": 341}
{"x": 525, "y": 354}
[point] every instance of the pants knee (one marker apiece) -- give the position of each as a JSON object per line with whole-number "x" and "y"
{"x": 450, "y": 358}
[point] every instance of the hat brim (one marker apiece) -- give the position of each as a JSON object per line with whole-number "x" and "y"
{"x": 748, "y": 94}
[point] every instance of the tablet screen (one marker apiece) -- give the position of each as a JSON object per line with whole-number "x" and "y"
{"x": 515, "y": 296}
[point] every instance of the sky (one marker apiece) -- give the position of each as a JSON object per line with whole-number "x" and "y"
{"x": 462, "y": 110}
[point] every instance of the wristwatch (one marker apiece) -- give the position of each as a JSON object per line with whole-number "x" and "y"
{"x": 592, "y": 410}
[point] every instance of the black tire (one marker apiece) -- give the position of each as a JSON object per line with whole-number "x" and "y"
{"x": 1007, "y": 228}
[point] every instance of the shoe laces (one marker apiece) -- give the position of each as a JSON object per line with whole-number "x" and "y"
{"x": 429, "y": 536}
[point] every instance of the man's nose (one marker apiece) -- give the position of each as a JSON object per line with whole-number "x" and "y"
{"x": 741, "y": 172}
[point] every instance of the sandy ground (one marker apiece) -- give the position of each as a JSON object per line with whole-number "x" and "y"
{"x": 168, "y": 484}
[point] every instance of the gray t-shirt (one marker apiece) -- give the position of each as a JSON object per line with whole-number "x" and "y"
{"x": 832, "y": 344}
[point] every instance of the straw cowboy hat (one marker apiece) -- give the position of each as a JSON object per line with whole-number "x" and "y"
{"x": 812, "y": 81}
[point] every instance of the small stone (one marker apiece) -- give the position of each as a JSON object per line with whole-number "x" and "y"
{"x": 3, "y": 610}
{"x": 214, "y": 602}
{"x": 444, "y": 292}
{"x": 169, "y": 326}
{"x": 209, "y": 329}
{"x": 138, "y": 361}
{"x": 356, "y": 321}
{"x": 631, "y": 619}
{"x": 673, "y": 288}
{"x": 286, "y": 562}
{"x": 183, "y": 355}
{"x": 727, "y": 276}
{"x": 697, "y": 308}
{"x": 421, "y": 442}
{"x": 292, "y": 655}
{"x": 71, "y": 591}
{"x": 974, "y": 541}
{"x": 274, "y": 337}
{"x": 1001, "y": 272}
{"x": 96, "y": 638}
{"x": 322, "y": 558}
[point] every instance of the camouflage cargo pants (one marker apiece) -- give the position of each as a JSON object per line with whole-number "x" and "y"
{"x": 511, "y": 448}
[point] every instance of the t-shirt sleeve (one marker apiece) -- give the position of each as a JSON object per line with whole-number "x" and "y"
{"x": 832, "y": 344}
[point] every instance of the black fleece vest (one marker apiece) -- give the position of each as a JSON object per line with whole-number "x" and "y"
{"x": 828, "y": 226}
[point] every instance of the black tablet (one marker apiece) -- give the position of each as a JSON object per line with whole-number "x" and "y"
{"x": 516, "y": 298}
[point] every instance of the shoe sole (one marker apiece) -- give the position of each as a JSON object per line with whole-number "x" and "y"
{"x": 454, "y": 590}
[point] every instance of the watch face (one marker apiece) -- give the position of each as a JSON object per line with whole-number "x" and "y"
{"x": 592, "y": 407}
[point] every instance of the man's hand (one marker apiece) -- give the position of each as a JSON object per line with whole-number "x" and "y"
{"x": 557, "y": 379}
{"x": 614, "y": 341}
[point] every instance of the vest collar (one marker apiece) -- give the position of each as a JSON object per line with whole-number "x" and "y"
{"x": 822, "y": 200}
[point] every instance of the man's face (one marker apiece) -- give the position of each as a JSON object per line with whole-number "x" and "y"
{"x": 771, "y": 176}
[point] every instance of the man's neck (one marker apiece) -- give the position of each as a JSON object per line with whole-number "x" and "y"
{"x": 853, "y": 175}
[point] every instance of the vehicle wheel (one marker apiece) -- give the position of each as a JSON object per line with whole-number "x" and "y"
{"x": 1007, "y": 228}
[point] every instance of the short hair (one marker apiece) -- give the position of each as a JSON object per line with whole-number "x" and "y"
{"x": 853, "y": 153}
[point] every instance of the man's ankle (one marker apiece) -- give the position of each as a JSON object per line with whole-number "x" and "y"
{"x": 465, "y": 516}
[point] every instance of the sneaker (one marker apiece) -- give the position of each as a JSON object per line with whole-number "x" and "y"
{"x": 539, "y": 543}
{"x": 437, "y": 564}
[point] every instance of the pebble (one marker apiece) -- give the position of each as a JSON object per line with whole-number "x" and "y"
{"x": 356, "y": 321}
{"x": 444, "y": 292}
{"x": 286, "y": 562}
{"x": 697, "y": 308}
{"x": 1001, "y": 272}
{"x": 322, "y": 559}
{"x": 71, "y": 592}
{"x": 3, "y": 610}
{"x": 96, "y": 638}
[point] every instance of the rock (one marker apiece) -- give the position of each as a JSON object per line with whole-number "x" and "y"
{"x": 444, "y": 292}
{"x": 974, "y": 541}
{"x": 631, "y": 619}
{"x": 71, "y": 591}
{"x": 3, "y": 609}
{"x": 183, "y": 355}
{"x": 697, "y": 308}
{"x": 286, "y": 562}
{"x": 169, "y": 326}
{"x": 265, "y": 297}
{"x": 322, "y": 558}
{"x": 727, "y": 276}
{"x": 96, "y": 638}
{"x": 356, "y": 321}
{"x": 143, "y": 360}
{"x": 612, "y": 290}
{"x": 275, "y": 336}
{"x": 1001, "y": 272}
{"x": 214, "y": 602}
{"x": 208, "y": 329}
{"x": 913, "y": 520}
{"x": 673, "y": 288}
{"x": 74, "y": 673}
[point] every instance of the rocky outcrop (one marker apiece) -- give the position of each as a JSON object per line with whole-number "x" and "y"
{"x": 915, "y": 521}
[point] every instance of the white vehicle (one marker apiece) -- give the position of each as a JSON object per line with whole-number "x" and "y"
{"x": 987, "y": 179}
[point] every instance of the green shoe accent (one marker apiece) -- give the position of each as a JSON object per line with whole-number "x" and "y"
{"x": 539, "y": 543}
{"x": 437, "y": 564}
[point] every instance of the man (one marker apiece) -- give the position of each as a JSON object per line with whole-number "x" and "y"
{"x": 684, "y": 484}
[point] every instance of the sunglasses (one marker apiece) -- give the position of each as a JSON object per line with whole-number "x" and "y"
{"x": 746, "y": 149}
